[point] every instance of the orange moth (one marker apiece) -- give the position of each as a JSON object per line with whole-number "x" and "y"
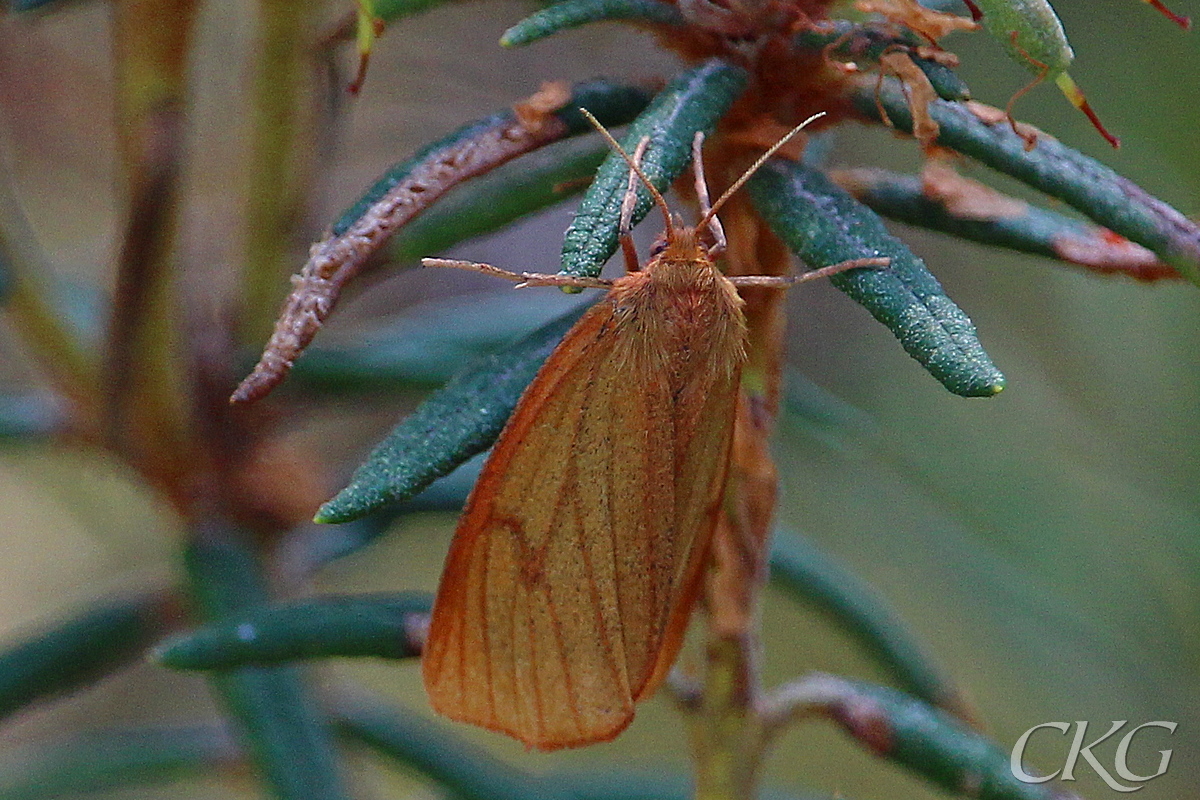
{"x": 576, "y": 563}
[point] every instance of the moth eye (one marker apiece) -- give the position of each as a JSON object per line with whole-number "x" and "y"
{"x": 657, "y": 248}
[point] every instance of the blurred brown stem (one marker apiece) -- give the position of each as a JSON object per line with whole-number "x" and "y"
{"x": 281, "y": 154}
{"x": 148, "y": 403}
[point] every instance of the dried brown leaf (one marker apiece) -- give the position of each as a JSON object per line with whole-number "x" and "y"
{"x": 1109, "y": 253}
{"x": 920, "y": 94}
{"x": 965, "y": 198}
{"x": 994, "y": 116}
{"x": 943, "y": 57}
{"x": 933, "y": 25}
{"x": 537, "y": 111}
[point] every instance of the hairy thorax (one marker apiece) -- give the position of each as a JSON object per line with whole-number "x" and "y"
{"x": 686, "y": 315}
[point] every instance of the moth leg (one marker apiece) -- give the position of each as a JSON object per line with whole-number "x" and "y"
{"x": 627, "y": 203}
{"x": 522, "y": 279}
{"x": 786, "y": 281}
{"x": 714, "y": 223}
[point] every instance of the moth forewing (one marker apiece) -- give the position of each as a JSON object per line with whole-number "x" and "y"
{"x": 573, "y": 570}
{"x": 580, "y": 554}
{"x": 514, "y": 616}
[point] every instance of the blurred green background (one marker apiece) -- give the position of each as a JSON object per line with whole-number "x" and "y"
{"x": 1042, "y": 543}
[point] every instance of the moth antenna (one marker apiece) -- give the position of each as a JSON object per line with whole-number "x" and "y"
{"x": 659, "y": 200}
{"x": 755, "y": 167}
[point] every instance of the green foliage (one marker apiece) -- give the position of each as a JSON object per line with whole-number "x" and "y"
{"x": 925, "y": 740}
{"x": 1062, "y": 173}
{"x": 501, "y": 198}
{"x": 79, "y": 649}
{"x": 1018, "y": 226}
{"x": 858, "y": 42}
{"x": 154, "y": 400}
{"x": 811, "y": 576}
{"x": 332, "y": 626}
{"x": 278, "y": 722}
{"x": 691, "y": 103}
{"x": 1030, "y": 31}
{"x": 824, "y": 225}
{"x": 612, "y": 103}
{"x": 459, "y": 421}
{"x": 573, "y": 13}
{"x": 119, "y": 759}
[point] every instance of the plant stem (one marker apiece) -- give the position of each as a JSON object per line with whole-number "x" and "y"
{"x": 148, "y": 405}
{"x": 728, "y": 732}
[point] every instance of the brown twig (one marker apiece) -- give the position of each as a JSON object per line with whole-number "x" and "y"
{"x": 333, "y": 262}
